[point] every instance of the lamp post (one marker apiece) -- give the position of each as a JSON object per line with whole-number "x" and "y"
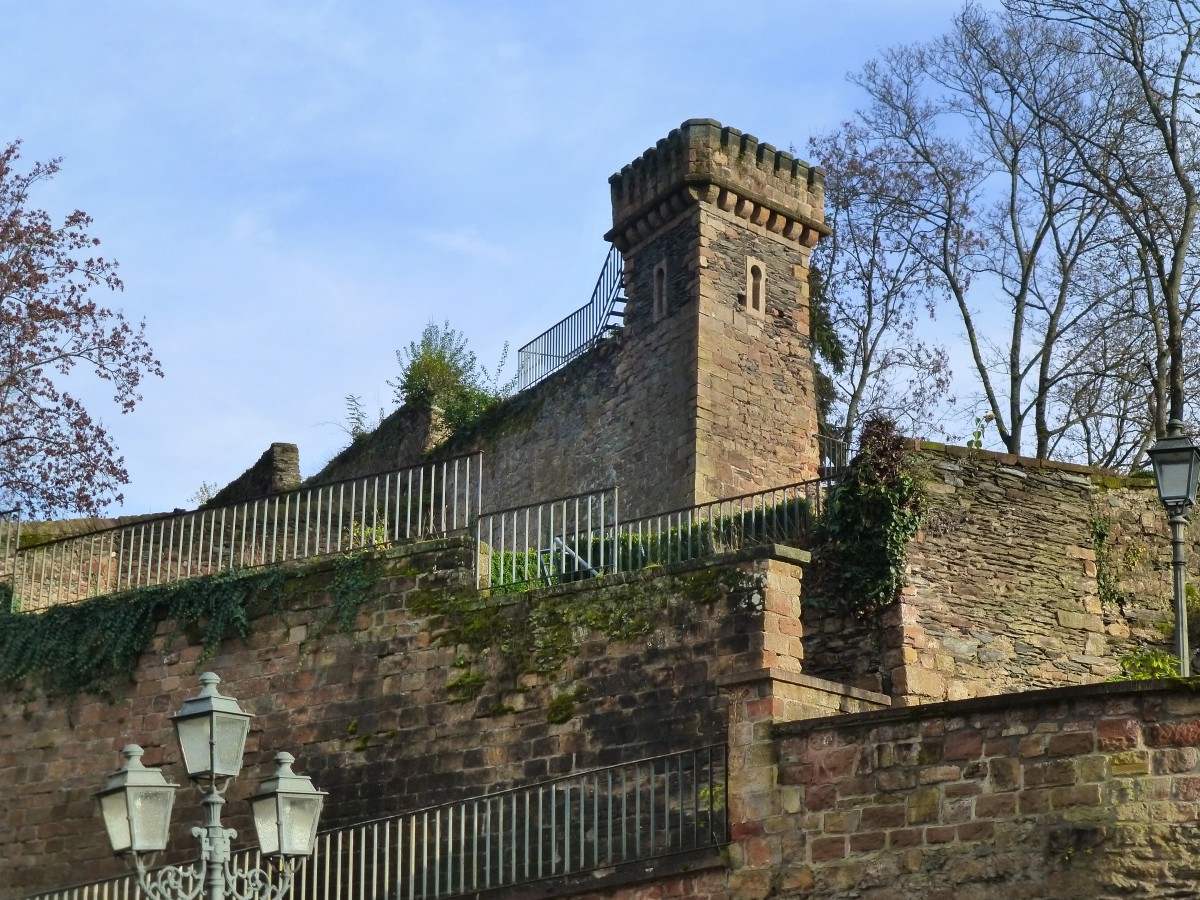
{"x": 1176, "y": 466}
{"x": 136, "y": 807}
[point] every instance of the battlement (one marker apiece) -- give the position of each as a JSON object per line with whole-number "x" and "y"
{"x": 702, "y": 160}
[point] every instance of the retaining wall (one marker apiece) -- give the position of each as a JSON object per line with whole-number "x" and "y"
{"x": 373, "y": 714}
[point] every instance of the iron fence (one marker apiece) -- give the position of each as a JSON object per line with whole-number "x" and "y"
{"x": 833, "y": 455}
{"x": 579, "y": 823}
{"x": 406, "y": 504}
{"x": 551, "y": 542}
{"x": 578, "y": 332}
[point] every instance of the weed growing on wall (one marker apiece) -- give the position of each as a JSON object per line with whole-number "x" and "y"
{"x": 94, "y": 646}
{"x": 1147, "y": 663}
{"x": 353, "y": 583}
{"x": 872, "y": 514}
{"x": 1106, "y": 576}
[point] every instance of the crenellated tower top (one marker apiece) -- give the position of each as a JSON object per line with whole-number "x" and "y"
{"x": 703, "y": 161}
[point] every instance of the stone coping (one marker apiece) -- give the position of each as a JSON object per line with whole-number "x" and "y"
{"x": 1029, "y": 462}
{"x": 780, "y": 552}
{"x": 990, "y": 703}
{"x": 791, "y": 676}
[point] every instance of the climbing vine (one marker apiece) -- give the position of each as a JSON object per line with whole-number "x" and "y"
{"x": 873, "y": 513}
{"x": 1106, "y": 578}
{"x": 94, "y": 646}
{"x": 353, "y": 583}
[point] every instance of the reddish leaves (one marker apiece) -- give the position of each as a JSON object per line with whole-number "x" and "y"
{"x": 53, "y": 455}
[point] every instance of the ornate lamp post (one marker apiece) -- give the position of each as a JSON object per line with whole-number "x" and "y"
{"x": 136, "y": 806}
{"x": 1176, "y": 466}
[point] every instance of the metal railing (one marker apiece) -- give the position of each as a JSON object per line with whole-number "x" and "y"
{"x": 579, "y": 823}
{"x": 551, "y": 542}
{"x": 418, "y": 502}
{"x": 581, "y": 536}
{"x": 781, "y": 515}
{"x": 10, "y": 540}
{"x": 578, "y": 332}
{"x": 832, "y": 455}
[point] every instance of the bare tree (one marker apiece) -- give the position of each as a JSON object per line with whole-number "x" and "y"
{"x": 876, "y": 284}
{"x": 1138, "y": 148}
{"x": 1011, "y": 231}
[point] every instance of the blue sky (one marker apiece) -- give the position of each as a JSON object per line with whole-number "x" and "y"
{"x": 294, "y": 189}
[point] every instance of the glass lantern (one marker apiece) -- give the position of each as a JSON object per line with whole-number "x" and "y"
{"x": 1176, "y": 466}
{"x": 212, "y": 732}
{"x": 286, "y": 809}
{"x": 136, "y": 805}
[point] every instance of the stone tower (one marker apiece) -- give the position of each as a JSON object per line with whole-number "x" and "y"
{"x": 716, "y": 230}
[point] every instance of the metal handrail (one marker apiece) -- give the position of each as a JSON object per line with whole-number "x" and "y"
{"x": 10, "y": 542}
{"x": 432, "y": 500}
{"x": 516, "y": 547}
{"x": 553, "y": 541}
{"x": 578, "y": 332}
{"x": 778, "y": 515}
{"x": 646, "y": 809}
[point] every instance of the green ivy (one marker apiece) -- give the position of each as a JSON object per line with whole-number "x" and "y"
{"x": 871, "y": 515}
{"x": 94, "y": 646}
{"x": 354, "y": 581}
{"x": 1106, "y": 578}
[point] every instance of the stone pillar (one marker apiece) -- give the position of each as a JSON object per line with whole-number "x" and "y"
{"x": 765, "y": 852}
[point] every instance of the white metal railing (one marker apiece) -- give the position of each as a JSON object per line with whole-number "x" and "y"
{"x": 553, "y": 542}
{"x": 558, "y": 540}
{"x": 578, "y": 332}
{"x": 10, "y": 540}
{"x": 579, "y": 823}
{"x": 418, "y": 502}
{"x": 780, "y": 515}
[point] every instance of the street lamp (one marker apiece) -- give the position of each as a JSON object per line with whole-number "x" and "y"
{"x": 136, "y": 806}
{"x": 1176, "y": 465}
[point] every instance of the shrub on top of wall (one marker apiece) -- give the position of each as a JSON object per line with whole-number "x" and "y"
{"x": 872, "y": 513}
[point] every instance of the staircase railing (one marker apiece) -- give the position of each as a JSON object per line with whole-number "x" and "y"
{"x": 627, "y": 813}
{"x": 578, "y": 332}
{"x": 581, "y": 536}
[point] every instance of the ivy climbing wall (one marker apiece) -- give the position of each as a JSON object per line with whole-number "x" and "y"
{"x": 1026, "y": 574}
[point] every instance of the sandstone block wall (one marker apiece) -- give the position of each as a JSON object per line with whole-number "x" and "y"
{"x": 1010, "y": 584}
{"x": 371, "y": 714}
{"x": 1083, "y": 792}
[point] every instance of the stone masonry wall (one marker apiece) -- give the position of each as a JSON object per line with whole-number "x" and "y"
{"x": 276, "y": 471}
{"x": 756, "y": 411}
{"x": 1082, "y": 792}
{"x": 1006, "y": 590}
{"x": 371, "y": 714}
